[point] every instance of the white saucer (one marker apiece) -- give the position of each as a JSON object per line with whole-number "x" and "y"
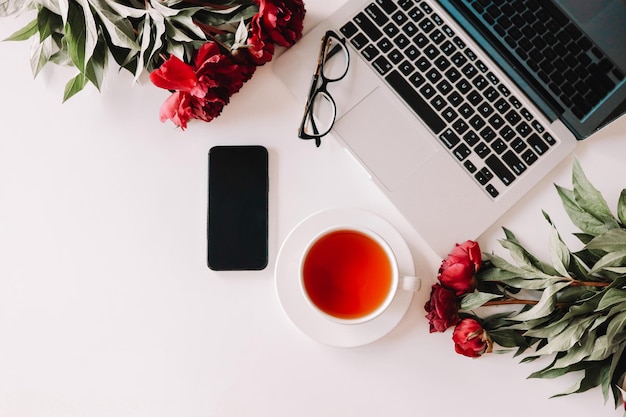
{"x": 302, "y": 314}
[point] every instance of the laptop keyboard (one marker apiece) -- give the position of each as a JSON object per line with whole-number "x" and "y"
{"x": 476, "y": 117}
{"x": 564, "y": 59}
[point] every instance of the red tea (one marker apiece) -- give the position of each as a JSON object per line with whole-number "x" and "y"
{"x": 347, "y": 274}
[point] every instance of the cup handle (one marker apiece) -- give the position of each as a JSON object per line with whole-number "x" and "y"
{"x": 410, "y": 283}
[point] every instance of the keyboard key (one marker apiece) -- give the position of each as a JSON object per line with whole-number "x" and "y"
{"x": 482, "y": 150}
{"x": 387, "y": 5}
{"x": 500, "y": 170}
{"x": 409, "y": 29}
{"x": 488, "y": 134}
{"x": 359, "y": 41}
{"x": 507, "y": 133}
{"x": 516, "y": 165}
{"x": 438, "y": 103}
{"x": 399, "y": 17}
{"x": 549, "y": 139}
{"x": 384, "y": 45}
{"x": 529, "y": 157}
{"x": 416, "y": 14}
{"x": 449, "y": 138}
{"x": 496, "y": 121}
{"x": 417, "y": 79}
{"x": 433, "y": 75}
{"x": 449, "y": 114}
{"x": 469, "y": 165}
{"x": 382, "y": 65}
{"x": 513, "y": 117}
{"x": 498, "y": 146}
{"x": 348, "y": 30}
{"x": 502, "y": 106}
{"x": 391, "y": 30}
{"x": 428, "y": 90}
{"x": 370, "y": 52}
{"x": 461, "y": 152}
{"x": 460, "y": 127}
{"x": 483, "y": 176}
{"x": 377, "y": 15}
{"x": 523, "y": 129}
{"x": 538, "y": 145}
{"x": 477, "y": 122}
{"x": 370, "y": 29}
{"x": 415, "y": 101}
{"x": 406, "y": 68}
{"x": 426, "y": 25}
{"x": 518, "y": 145}
{"x": 471, "y": 138}
{"x": 395, "y": 56}
{"x": 492, "y": 190}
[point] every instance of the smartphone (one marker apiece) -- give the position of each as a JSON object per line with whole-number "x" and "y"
{"x": 237, "y": 226}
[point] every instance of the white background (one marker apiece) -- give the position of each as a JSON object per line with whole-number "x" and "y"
{"x": 107, "y": 307}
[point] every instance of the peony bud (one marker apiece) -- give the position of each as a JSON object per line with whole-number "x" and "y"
{"x": 457, "y": 271}
{"x": 470, "y": 339}
{"x": 442, "y": 309}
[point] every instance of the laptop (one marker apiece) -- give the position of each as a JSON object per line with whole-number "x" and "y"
{"x": 457, "y": 108}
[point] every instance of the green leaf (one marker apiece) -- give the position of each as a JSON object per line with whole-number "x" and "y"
{"x": 589, "y": 198}
{"x": 621, "y": 207}
{"x": 91, "y": 30}
{"x": 507, "y": 338}
{"x": 74, "y": 85}
{"x": 183, "y": 24}
{"x": 94, "y": 71}
{"x": 618, "y": 362}
{"x": 593, "y": 377}
{"x": 40, "y": 55}
{"x": 569, "y": 337}
{"x": 613, "y": 240}
{"x": 611, "y": 259}
{"x": 611, "y": 297}
{"x": 76, "y": 36}
{"x": 551, "y": 329}
{"x": 546, "y": 304}
{"x": 521, "y": 255}
{"x": 24, "y": 33}
{"x": 476, "y": 299}
{"x": 549, "y": 372}
{"x": 122, "y": 10}
{"x": 559, "y": 253}
{"x": 119, "y": 29}
{"x": 576, "y": 353}
{"x": 48, "y": 23}
{"x": 616, "y": 327}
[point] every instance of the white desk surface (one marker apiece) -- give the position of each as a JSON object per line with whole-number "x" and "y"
{"x": 107, "y": 307}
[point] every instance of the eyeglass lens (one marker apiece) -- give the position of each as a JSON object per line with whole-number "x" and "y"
{"x": 322, "y": 110}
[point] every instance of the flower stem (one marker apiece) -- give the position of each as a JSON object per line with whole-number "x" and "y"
{"x": 508, "y": 302}
{"x": 589, "y": 284}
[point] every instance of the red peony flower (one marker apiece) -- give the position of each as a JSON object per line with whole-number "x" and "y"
{"x": 457, "y": 271}
{"x": 200, "y": 91}
{"x": 279, "y": 21}
{"x": 259, "y": 50}
{"x": 442, "y": 309}
{"x": 470, "y": 339}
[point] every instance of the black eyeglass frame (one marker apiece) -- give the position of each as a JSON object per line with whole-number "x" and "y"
{"x": 323, "y": 87}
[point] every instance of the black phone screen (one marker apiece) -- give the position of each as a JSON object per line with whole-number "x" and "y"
{"x": 237, "y": 209}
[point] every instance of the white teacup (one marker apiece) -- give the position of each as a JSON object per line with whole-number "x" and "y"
{"x": 349, "y": 274}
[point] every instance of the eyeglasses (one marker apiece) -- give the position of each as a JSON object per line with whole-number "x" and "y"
{"x": 320, "y": 110}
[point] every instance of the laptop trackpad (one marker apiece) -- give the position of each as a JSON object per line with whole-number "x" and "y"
{"x": 390, "y": 144}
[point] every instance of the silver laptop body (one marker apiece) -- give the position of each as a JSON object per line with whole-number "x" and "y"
{"x": 438, "y": 188}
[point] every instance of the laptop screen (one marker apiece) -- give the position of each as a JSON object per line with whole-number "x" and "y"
{"x": 605, "y": 22}
{"x": 568, "y": 56}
